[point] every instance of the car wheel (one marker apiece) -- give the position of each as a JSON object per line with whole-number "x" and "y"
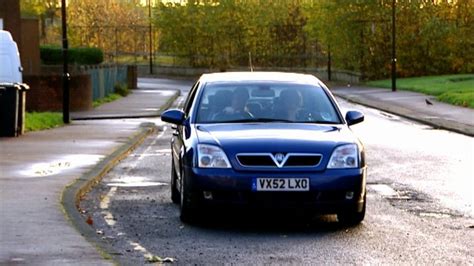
{"x": 352, "y": 217}
{"x": 188, "y": 209}
{"x": 175, "y": 196}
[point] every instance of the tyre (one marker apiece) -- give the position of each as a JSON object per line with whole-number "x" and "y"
{"x": 352, "y": 217}
{"x": 175, "y": 196}
{"x": 188, "y": 207}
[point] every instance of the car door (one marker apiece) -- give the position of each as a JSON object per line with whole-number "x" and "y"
{"x": 180, "y": 132}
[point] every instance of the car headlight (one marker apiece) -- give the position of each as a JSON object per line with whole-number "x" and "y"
{"x": 210, "y": 156}
{"x": 345, "y": 156}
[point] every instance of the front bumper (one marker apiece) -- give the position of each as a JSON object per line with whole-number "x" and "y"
{"x": 329, "y": 190}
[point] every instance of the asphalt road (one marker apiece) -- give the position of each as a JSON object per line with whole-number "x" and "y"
{"x": 419, "y": 208}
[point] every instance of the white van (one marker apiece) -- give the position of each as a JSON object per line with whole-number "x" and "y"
{"x": 12, "y": 90}
{"x": 10, "y": 65}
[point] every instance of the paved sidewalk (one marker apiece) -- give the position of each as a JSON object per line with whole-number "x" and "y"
{"x": 35, "y": 169}
{"x": 141, "y": 103}
{"x": 412, "y": 105}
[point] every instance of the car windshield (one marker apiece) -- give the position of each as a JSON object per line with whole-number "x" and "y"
{"x": 227, "y": 102}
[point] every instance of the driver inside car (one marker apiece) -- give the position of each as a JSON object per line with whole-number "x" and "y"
{"x": 237, "y": 109}
{"x": 290, "y": 104}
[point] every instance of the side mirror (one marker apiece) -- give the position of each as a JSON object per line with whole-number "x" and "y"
{"x": 173, "y": 116}
{"x": 354, "y": 117}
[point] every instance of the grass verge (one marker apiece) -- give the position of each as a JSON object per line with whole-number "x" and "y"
{"x": 120, "y": 90}
{"x": 39, "y": 121}
{"x": 163, "y": 60}
{"x": 36, "y": 121}
{"x": 452, "y": 89}
{"x": 109, "y": 98}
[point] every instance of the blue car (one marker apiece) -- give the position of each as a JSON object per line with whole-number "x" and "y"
{"x": 266, "y": 140}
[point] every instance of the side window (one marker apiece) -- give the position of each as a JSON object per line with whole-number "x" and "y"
{"x": 190, "y": 99}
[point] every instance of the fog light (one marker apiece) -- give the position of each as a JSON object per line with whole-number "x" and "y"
{"x": 207, "y": 195}
{"x": 349, "y": 195}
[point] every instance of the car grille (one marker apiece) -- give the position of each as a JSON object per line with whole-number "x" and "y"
{"x": 279, "y": 160}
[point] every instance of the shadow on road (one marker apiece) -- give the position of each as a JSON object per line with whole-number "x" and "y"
{"x": 266, "y": 221}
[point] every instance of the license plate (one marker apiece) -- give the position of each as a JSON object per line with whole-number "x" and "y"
{"x": 280, "y": 184}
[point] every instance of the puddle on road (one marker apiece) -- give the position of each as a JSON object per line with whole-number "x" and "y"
{"x": 66, "y": 163}
{"x": 384, "y": 190}
{"x": 408, "y": 199}
{"x": 134, "y": 181}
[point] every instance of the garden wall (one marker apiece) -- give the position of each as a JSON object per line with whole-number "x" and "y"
{"x": 46, "y": 92}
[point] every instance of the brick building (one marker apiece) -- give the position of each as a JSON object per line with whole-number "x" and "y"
{"x": 25, "y": 33}
{"x": 10, "y": 16}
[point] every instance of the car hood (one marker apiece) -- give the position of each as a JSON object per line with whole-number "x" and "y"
{"x": 275, "y": 138}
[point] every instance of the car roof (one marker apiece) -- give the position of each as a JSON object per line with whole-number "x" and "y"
{"x": 260, "y": 76}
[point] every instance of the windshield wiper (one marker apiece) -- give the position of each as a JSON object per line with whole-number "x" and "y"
{"x": 251, "y": 120}
{"x": 320, "y": 122}
{"x": 269, "y": 120}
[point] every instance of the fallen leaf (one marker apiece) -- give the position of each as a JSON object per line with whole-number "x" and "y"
{"x": 89, "y": 220}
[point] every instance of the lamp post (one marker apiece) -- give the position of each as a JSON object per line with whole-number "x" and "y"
{"x": 151, "y": 38}
{"x": 394, "y": 55}
{"x": 65, "y": 77}
{"x": 329, "y": 62}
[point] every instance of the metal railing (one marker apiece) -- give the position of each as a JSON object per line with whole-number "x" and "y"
{"x": 104, "y": 78}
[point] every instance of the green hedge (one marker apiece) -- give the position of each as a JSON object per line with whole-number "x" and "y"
{"x": 53, "y": 55}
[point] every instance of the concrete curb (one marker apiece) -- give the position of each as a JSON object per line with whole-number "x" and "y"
{"x": 410, "y": 114}
{"x": 170, "y": 102}
{"x": 73, "y": 193}
{"x": 165, "y": 106}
